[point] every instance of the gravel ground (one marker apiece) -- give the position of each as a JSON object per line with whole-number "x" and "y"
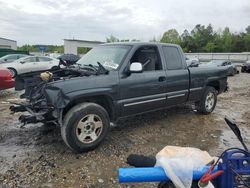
{"x": 35, "y": 156}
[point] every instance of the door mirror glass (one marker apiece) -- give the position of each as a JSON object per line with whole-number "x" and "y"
{"x": 135, "y": 67}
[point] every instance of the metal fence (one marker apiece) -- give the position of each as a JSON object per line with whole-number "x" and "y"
{"x": 235, "y": 57}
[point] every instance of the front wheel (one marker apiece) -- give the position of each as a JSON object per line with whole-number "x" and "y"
{"x": 85, "y": 126}
{"x": 208, "y": 101}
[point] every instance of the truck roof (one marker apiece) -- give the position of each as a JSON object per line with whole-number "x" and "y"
{"x": 140, "y": 43}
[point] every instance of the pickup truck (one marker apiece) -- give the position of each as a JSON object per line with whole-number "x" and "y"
{"x": 115, "y": 81}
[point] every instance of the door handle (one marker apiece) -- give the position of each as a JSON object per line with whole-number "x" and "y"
{"x": 162, "y": 78}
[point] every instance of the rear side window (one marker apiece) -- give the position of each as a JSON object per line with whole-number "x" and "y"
{"x": 30, "y": 59}
{"x": 173, "y": 58}
{"x": 44, "y": 59}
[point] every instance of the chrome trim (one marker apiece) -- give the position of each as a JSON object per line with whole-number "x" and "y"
{"x": 196, "y": 88}
{"x": 146, "y": 101}
{"x": 173, "y": 96}
{"x": 177, "y": 92}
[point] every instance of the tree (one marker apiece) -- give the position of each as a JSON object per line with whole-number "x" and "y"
{"x": 112, "y": 39}
{"x": 171, "y": 36}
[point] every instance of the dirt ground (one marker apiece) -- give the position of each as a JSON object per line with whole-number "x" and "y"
{"x": 35, "y": 156}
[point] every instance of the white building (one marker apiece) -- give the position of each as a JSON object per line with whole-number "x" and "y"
{"x": 7, "y": 43}
{"x": 71, "y": 45}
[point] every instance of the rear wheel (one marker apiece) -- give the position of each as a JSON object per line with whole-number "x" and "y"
{"x": 85, "y": 126}
{"x": 208, "y": 101}
{"x": 13, "y": 72}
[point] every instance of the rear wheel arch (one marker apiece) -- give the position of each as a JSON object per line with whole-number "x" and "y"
{"x": 215, "y": 84}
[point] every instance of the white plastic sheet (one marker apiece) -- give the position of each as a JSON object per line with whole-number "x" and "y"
{"x": 180, "y": 162}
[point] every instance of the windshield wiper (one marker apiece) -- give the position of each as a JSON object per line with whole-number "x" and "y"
{"x": 102, "y": 69}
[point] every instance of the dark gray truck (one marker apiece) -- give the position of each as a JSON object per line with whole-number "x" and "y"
{"x": 114, "y": 81}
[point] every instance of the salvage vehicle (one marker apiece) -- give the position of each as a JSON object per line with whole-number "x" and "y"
{"x": 6, "y": 80}
{"x": 232, "y": 69}
{"x": 246, "y": 67}
{"x": 30, "y": 64}
{"x": 112, "y": 82}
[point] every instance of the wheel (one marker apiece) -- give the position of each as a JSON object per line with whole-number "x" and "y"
{"x": 13, "y": 72}
{"x": 54, "y": 68}
{"x": 208, "y": 101}
{"x": 85, "y": 126}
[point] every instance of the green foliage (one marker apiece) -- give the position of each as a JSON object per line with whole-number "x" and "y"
{"x": 82, "y": 50}
{"x": 171, "y": 36}
{"x": 205, "y": 39}
{"x": 48, "y": 48}
{"x": 112, "y": 39}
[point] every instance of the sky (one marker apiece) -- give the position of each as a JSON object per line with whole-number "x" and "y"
{"x": 51, "y": 21}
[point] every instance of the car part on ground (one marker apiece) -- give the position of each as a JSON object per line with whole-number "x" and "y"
{"x": 246, "y": 67}
{"x": 6, "y": 80}
{"x": 106, "y": 77}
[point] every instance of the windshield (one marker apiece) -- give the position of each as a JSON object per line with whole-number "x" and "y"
{"x": 109, "y": 56}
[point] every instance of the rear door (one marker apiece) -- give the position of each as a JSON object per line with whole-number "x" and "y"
{"x": 177, "y": 86}
{"x": 44, "y": 63}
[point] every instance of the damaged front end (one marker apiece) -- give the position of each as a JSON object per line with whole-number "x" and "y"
{"x": 44, "y": 102}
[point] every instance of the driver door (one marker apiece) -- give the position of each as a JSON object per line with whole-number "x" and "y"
{"x": 145, "y": 91}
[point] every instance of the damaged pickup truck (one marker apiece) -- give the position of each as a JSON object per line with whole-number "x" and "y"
{"x": 114, "y": 81}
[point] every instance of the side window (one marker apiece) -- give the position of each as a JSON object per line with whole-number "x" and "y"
{"x": 173, "y": 58}
{"x": 44, "y": 59}
{"x": 12, "y": 57}
{"x": 149, "y": 57}
{"x": 30, "y": 59}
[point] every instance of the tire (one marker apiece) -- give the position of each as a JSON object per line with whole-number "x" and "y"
{"x": 13, "y": 72}
{"x": 54, "y": 68}
{"x": 85, "y": 126}
{"x": 208, "y": 101}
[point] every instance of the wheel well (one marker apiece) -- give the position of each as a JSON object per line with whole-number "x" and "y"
{"x": 215, "y": 85}
{"x": 102, "y": 100}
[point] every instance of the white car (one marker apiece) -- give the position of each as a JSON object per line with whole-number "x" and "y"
{"x": 31, "y": 64}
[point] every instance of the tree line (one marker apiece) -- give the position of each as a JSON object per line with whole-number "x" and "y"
{"x": 205, "y": 39}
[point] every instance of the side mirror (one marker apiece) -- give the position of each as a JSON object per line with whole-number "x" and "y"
{"x": 135, "y": 67}
{"x": 22, "y": 62}
{"x": 5, "y": 59}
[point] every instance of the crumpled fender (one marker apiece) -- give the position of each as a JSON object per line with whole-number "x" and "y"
{"x": 56, "y": 97}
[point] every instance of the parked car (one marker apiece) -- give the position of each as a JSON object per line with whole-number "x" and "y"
{"x": 232, "y": 69}
{"x": 192, "y": 62}
{"x": 31, "y": 64}
{"x": 11, "y": 57}
{"x": 115, "y": 81}
{"x": 6, "y": 80}
{"x": 246, "y": 67}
